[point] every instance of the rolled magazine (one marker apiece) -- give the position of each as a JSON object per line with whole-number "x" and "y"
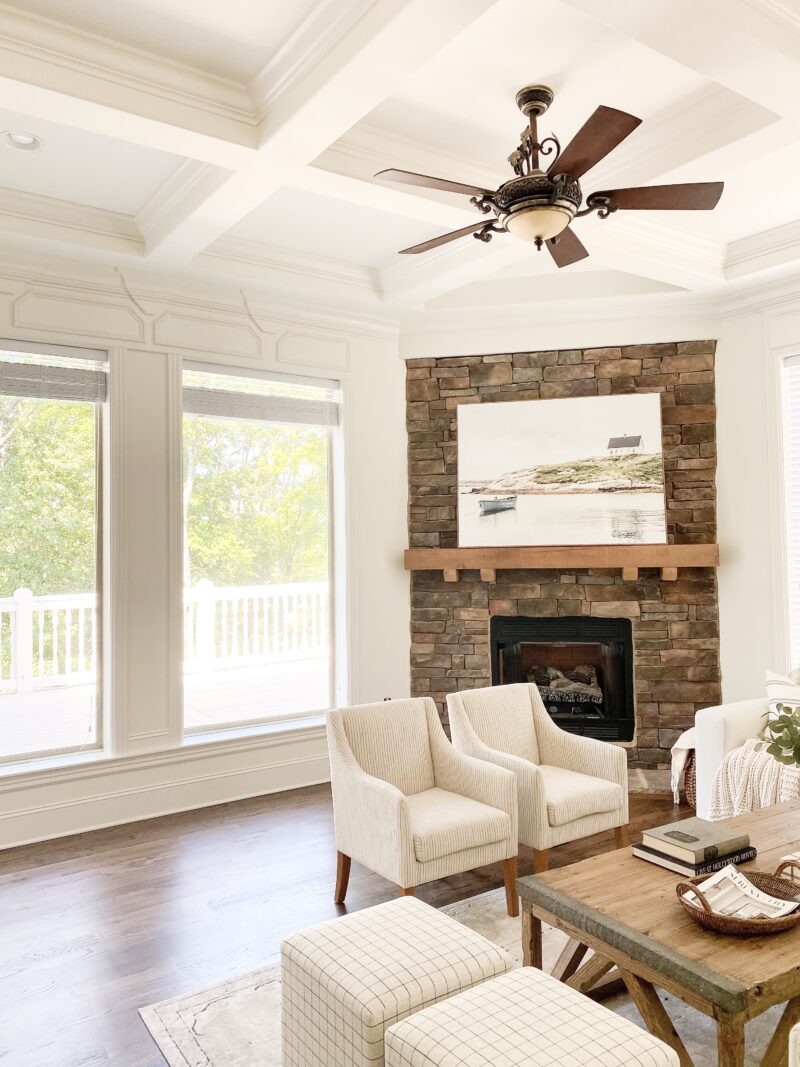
{"x": 729, "y": 892}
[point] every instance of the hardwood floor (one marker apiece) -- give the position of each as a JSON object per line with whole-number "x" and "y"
{"x": 96, "y": 926}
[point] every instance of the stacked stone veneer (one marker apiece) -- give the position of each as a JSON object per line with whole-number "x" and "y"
{"x": 675, "y": 624}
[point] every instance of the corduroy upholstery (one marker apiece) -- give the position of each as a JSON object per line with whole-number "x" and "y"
{"x": 406, "y": 804}
{"x": 576, "y": 786}
{"x": 345, "y": 981}
{"x": 524, "y": 1018}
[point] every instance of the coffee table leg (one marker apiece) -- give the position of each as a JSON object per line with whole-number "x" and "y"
{"x": 531, "y": 939}
{"x": 777, "y": 1054}
{"x": 655, "y": 1016}
{"x": 570, "y": 959}
{"x": 730, "y": 1041}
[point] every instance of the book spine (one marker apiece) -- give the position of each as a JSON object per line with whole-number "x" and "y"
{"x": 712, "y": 853}
{"x": 744, "y": 855}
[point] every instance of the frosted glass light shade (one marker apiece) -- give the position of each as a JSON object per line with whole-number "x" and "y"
{"x": 538, "y": 222}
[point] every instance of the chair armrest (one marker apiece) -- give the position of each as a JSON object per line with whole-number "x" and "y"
{"x": 477, "y": 779}
{"x": 586, "y": 755}
{"x": 719, "y": 730}
{"x": 370, "y": 816}
{"x": 372, "y": 826}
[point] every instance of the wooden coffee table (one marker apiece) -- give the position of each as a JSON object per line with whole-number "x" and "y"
{"x": 626, "y": 911}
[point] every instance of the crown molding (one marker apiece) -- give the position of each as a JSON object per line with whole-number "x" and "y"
{"x": 228, "y": 252}
{"x": 777, "y": 11}
{"x": 61, "y": 220}
{"x": 317, "y": 33}
{"x": 771, "y": 249}
{"x": 190, "y": 180}
{"x": 41, "y": 38}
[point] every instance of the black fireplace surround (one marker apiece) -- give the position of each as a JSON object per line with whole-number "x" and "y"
{"x": 582, "y": 666}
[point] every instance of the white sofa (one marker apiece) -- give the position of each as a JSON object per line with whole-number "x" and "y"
{"x": 718, "y": 730}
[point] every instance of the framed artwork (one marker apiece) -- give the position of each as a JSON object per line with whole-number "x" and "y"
{"x": 580, "y": 471}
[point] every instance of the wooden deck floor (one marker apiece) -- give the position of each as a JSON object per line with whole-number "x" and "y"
{"x": 63, "y": 717}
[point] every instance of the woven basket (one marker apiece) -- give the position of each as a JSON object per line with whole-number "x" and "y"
{"x": 690, "y": 781}
{"x": 729, "y": 924}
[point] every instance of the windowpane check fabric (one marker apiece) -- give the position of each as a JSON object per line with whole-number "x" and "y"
{"x": 523, "y": 1019}
{"x": 569, "y": 788}
{"x": 346, "y": 980}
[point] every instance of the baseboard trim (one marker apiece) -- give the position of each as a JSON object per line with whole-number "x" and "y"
{"x": 46, "y": 810}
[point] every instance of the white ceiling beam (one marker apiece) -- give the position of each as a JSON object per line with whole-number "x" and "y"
{"x": 361, "y": 63}
{"x": 53, "y": 72}
{"x": 726, "y": 41}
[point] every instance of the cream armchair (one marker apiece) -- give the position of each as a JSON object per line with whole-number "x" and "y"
{"x": 568, "y": 786}
{"x": 411, "y": 808}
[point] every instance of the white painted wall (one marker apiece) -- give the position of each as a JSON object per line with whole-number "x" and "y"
{"x": 749, "y": 509}
{"x": 148, "y": 325}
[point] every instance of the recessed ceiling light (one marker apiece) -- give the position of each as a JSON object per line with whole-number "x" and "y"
{"x": 21, "y": 139}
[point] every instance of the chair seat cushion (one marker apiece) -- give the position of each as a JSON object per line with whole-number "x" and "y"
{"x": 443, "y": 823}
{"x": 522, "y": 1019}
{"x": 572, "y": 796}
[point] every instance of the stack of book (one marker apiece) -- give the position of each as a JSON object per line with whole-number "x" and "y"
{"x": 694, "y": 846}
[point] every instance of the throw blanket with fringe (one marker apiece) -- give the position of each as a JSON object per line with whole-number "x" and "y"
{"x": 748, "y": 780}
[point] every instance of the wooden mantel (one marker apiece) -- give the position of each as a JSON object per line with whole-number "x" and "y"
{"x": 628, "y": 558}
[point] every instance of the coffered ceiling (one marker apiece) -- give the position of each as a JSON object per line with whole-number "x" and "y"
{"x": 238, "y": 141}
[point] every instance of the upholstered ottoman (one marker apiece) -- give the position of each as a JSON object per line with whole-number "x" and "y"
{"x": 525, "y": 1018}
{"x": 346, "y": 980}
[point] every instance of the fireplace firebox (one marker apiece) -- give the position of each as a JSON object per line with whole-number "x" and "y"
{"x": 581, "y": 665}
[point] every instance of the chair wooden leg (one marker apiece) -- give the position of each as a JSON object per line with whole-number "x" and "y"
{"x": 622, "y": 837}
{"x": 342, "y": 877}
{"x": 406, "y": 891}
{"x": 541, "y": 860}
{"x": 510, "y": 879}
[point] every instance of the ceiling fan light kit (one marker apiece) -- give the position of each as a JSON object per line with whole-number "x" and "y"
{"x": 539, "y": 205}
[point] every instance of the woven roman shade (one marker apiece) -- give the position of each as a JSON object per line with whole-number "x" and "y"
{"x": 259, "y": 397}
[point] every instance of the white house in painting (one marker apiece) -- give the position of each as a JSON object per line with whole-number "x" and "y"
{"x": 620, "y": 446}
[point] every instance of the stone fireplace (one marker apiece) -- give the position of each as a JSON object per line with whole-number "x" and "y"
{"x": 478, "y": 630}
{"x": 581, "y": 665}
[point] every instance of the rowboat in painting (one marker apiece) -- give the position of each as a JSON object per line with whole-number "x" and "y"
{"x": 499, "y": 503}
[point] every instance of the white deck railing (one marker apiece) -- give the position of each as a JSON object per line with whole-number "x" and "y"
{"x": 52, "y": 640}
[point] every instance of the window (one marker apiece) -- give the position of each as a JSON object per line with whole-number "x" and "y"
{"x": 257, "y": 558}
{"x": 51, "y": 402}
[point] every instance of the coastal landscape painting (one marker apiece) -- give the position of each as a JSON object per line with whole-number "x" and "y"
{"x": 580, "y": 471}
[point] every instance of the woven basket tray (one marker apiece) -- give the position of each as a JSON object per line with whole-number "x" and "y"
{"x": 773, "y": 884}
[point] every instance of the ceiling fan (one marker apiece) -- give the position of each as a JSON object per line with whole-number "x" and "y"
{"x": 539, "y": 205}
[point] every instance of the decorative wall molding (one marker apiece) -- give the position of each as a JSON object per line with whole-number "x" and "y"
{"x": 306, "y": 350}
{"x": 60, "y": 313}
{"x": 147, "y": 294}
{"x": 209, "y": 332}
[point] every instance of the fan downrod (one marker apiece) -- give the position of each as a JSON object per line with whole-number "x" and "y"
{"x": 534, "y": 99}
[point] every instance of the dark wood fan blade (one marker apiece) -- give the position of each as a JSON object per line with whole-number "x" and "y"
{"x": 445, "y": 238}
{"x": 568, "y": 249}
{"x": 409, "y": 177}
{"x": 696, "y": 196}
{"x": 598, "y": 136}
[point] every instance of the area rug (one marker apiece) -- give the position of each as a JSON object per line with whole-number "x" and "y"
{"x": 238, "y": 1023}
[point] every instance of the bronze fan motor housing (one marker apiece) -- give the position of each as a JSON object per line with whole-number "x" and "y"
{"x": 540, "y": 205}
